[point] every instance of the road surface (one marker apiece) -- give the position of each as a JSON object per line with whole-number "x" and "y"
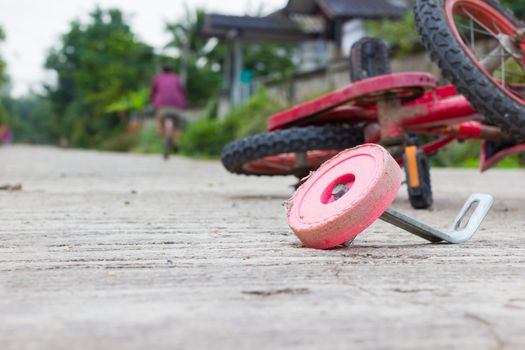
{"x": 116, "y": 251}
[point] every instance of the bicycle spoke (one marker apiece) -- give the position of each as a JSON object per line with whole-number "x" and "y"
{"x": 492, "y": 61}
{"x": 502, "y": 67}
{"x": 474, "y": 30}
{"x": 496, "y": 26}
{"x": 472, "y": 42}
{"x": 479, "y": 23}
{"x": 472, "y": 35}
{"x": 481, "y": 37}
{"x": 495, "y": 61}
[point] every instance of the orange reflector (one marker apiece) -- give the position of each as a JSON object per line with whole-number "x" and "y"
{"x": 412, "y": 168}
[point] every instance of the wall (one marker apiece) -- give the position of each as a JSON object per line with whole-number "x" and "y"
{"x": 305, "y": 86}
{"x": 308, "y": 85}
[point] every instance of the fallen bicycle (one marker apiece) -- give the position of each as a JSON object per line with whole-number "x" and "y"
{"x": 486, "y": 102}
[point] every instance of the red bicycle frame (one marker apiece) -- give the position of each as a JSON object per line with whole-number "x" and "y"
{"x": 394, "y": 105}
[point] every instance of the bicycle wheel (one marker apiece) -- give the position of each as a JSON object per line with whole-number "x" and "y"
{"x": 168, "y": 136}
{"x": 294, "y": 151}
{"x": 479, "y": 49}
{"x": 167, "y": 146}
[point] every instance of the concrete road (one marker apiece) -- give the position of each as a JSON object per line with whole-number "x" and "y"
{"x": 114, "y": 251}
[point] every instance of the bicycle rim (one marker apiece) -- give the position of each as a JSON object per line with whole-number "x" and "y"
{"x": 488, "y": 38}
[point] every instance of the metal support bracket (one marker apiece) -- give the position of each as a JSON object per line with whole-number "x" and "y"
{"x": 462, "y": 229}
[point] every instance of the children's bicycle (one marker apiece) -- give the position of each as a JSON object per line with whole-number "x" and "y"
{"x": 480, "y": 47}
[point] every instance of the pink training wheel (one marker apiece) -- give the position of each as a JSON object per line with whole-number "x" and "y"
{"x": 344, "y": 196}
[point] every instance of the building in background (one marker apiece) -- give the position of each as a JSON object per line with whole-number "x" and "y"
{"x": 322, "y": 29}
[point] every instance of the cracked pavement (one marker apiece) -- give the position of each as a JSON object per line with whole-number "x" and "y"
{"x": 103, "y": 250}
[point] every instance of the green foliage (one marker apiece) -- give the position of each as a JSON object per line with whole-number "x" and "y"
{"x": 186, "y": 36}
{"x": 203, "y": 83}
{"x": 199, "y": 59}
{"x": 148, "y": 140}
{"x": 467, "y": 155}
{"x": 207, "y": 137}
{"x": 212, "y": 109}
{"x": 517, "y": 6}
{"x": 269, "y": 60}
{"x": 96, "y": 64}
{"x": 102, "y": 75}
{"x": 204, "y": 138}
{"x": 145, "y": 142}
{"x": 458, "y": 154}
{"x": 4, "y": 119}
{"x": 132, "y": 101}
{"x": 3, "y": 77}
{"x": 401, "y": 35}
{"x": 119, "y": 143}
{"x": 251, "y": 117}
{"x": 30, "y": 119}
{"x": 510, "y": 67}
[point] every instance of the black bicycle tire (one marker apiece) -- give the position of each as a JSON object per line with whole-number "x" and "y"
{"x": 456, "y": 65}
{"x": 236, "y": 154}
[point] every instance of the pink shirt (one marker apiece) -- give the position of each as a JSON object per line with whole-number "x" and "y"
{"x": 167, "y": 91}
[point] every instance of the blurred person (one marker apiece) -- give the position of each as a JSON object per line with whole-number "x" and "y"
{"x": 168, "y": 98}
{"x": 5, "y": 134}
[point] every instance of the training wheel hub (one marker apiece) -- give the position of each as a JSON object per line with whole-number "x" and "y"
{"x": 345, "y": 196}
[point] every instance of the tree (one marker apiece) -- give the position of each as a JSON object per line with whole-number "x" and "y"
{"x": 31, "y": 119}
{"x": 517, "y": 6}
{"x": 96, "y": 64}
{"x": 201, "y": 60}
{"x": 269, "y": 60}
{"x": 3, "y": 76}
{"x": 3, "y": 80}
{"x": 402, "y": 36}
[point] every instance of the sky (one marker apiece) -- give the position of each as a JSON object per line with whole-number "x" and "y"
{"x": 32, "y": 27}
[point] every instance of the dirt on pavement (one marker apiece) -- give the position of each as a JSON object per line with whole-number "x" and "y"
{"x": 107, "y": 251}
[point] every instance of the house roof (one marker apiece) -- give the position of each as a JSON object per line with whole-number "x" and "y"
{"x": 300, "y": 20}
{"x": 270, "y": 28}
{"x": 346, "y": 9}
{"x": 305, "y": 7}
